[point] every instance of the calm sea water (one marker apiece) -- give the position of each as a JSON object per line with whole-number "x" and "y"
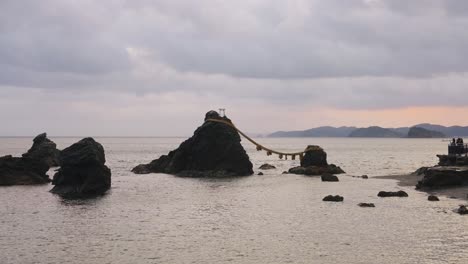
{"x": 273, "y": 218}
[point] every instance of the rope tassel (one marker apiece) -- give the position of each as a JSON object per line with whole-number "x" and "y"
{"x": 259, "y": 148}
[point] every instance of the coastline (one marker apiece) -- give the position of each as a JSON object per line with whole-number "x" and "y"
{"x": 408, "y": 180}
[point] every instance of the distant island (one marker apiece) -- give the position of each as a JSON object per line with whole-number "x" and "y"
{"x": 418, "y": 131}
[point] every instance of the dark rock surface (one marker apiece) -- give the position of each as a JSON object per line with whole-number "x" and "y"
{"x": 366, "y": 205}
{"x": 315, "y": 163}
{"x": 32, "y": 167}
{"x": 22, "y": 171}
{"x": 329, "y": 178}
{"x": 392, "y": 194}
{"x": 365, "y": 177}
{"x": 267, "y": 166}
{"x": 333, "y": 198}
{"x": 213, "y": 151}
{"x": 462, "y": 210}
{"x": 452, "y": 160}
{"x": 433, "y": 198}
{"x": 44, "y": 149}
{"x": 420, "y": 171}
{"x": 260, "y": 173}
{"x": 444, "y": 176}
{"x": 82, "y": 171}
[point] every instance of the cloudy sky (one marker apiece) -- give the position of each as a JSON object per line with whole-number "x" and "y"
{"x": 154, "y": 67}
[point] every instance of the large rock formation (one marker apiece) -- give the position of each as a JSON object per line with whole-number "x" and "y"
{"x": 44, "y": 149}
{"x": 213, "y": 151}
{"x": 444, "y": 177}
{"x": 82, "y": 170}
{"x": 315, "y": 162}
{"x": 22, "y": 171}
{"x": 32, "y": 167}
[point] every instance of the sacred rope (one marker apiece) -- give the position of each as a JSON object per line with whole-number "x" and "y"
{"x": 261, "y": 147}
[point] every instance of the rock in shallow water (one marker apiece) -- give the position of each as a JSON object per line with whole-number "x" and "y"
{"x": 329, "y": 178}
{"x": 333, "y": 198}
{"x": 82, "y": 171}
{"x": 213, "y": 151}
{"x": 366, "y": 205}
{"x": 267, "y": 166}
{"x": 433, "y": 198}
{"x": 462, "y": 210}
{"x": 444, "y": 176}
{"x": 32, "y": 167}
{"x": 392, "y": 194}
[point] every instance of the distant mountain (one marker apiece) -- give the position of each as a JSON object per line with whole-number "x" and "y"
{"x": 419, "y": 132}
{"x": 325, "y": 131}
{"x": 453, "y": 131}
{"x": 375, "y": 132}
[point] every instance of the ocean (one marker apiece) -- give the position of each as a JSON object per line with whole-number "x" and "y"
{"x": 273, "y": 218}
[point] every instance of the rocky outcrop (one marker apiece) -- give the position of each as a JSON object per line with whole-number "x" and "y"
{"x": 333, "y": 198}
{"x": 329, "y": 178}
{"x": 436, "y": 177}
{"x": 260, "y": 173}
{"x": 32, "y": 167}
{"x": 45, "y": 150}
{"x": 433, "y": 198}
{"x": 392, "y": 194}
{"x": 267, "y": 166}
{"x": 213, "y": 151}
{"x": 82, "y": 171}
{"x": 22, "y": 171}
{"x": 315, "y": 163}
{"x": 452, "y": 160}
{"x": 462, "y": 210}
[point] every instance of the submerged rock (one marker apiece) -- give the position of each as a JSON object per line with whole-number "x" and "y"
{"x": 213, "y": 151}
{"x": 32, "y": 167}
{"x": 433, "y": 198}
{"x": 82, "y": 171}
{"x": 45, "y": 150}
{"x": 260, "y": 173}
{"x": 443, "y": 176}
{"x": 333, "y": 198}
{"x": 267, "y": 166}
{"x": 392, "y": 194}
{"x": 366, "y": 205}
{"x": 329, "y": 178}
{"x": 22, "y": 171}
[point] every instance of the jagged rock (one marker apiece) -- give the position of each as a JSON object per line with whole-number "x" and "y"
{"x": 420, "y": 171}
{"x": 22, "y": 171}
{"x": 44, "y": 149}
{"x": 82, "y": 171}
{"x": 260, "y": 173}
{"x": 213, "y": 151}
{"x": 329, "y": 177}
{"x": 433, "y": 198}
{"x": 315, "y": 156}
{"x": 267, "y": 166}
{"x": 462, "y": 210}
{"x": 315, "y": 163}
{"x": 366, "y": 205}
{"x": 443, "y": 176}
{"x": 392, "y": 194}
{"x": 333, "y": 198}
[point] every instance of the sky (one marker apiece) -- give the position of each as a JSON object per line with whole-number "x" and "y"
{"x": 155, "y": 67}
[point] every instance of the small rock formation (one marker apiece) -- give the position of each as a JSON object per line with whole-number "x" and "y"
{"x": 443, "y": 176}
{"x": 285, "y": 172}
{"x": 213, "y": 151}
{"x": 260, "y": 173}
{"x": 22, "y": 171}
{"x": 365, "y": 177}
{"x": 32, "y": 167}
{"x": 329, "y": 178}
{"x": 462, "y": 210}
{"x": 44, "y": 149}
{"x": 366, "y": 205}
{"x": 333, "y": 198}
{"x": 267, "y": 166}
{"x": 392, "y": 194}
{"x": 315, "y": 162}
{"x": 82, "y": 171}
{"x": 433, "y": 198}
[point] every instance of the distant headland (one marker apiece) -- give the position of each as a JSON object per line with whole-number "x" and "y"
{"x": 418, "y": 131}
